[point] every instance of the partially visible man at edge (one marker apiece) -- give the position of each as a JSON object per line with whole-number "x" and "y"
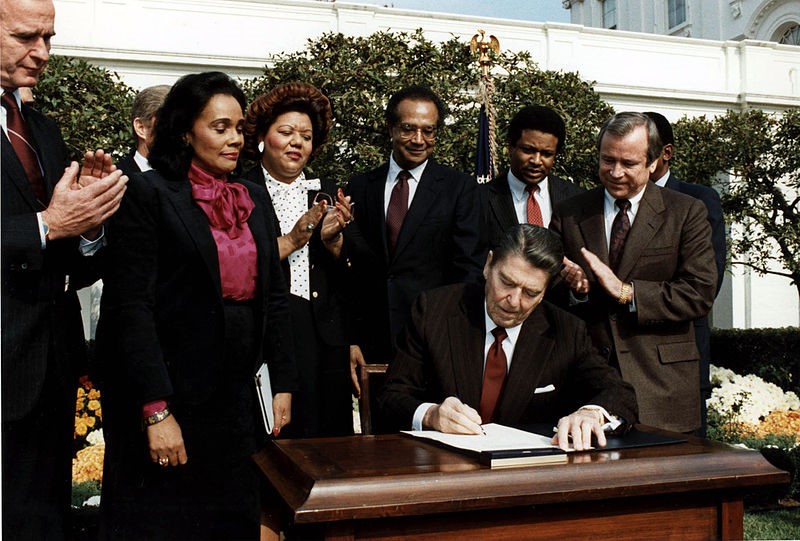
{"x": 143, "y": 118}
{"x": 51, "y": 223}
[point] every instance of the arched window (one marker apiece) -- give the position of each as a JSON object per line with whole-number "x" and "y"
{"x": 791, "y": 36}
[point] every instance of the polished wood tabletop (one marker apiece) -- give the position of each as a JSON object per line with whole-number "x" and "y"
{"x": 370, "y": 477}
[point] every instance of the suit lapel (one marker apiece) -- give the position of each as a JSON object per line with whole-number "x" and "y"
{"x": 531, "y": 354}
{"x": 12, "y": 168}
{"x": 466, "y": 335}
{"x": 649, "y": 219}
{"x": 501, "y": 203}
{"x": 52, "y": 169}
{"x": 258, "y": 227}
{"x": 593, "y": 228}
{"x": 430, "y": 185}
{"x": 196, "y": 223}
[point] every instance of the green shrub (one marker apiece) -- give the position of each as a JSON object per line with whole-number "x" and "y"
{"x": 358, "y": 74}
{"x": 90, "y": 104}
{"x": 771, "y": 354}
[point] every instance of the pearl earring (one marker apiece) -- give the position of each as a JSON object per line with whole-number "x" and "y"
{"x": 261, "y": 147}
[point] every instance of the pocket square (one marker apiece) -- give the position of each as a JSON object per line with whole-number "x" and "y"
{"x": 546, "y": 389}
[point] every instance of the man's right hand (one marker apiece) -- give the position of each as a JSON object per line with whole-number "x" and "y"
{"x": 453, "y": 417}
{"x": 75, "y": 209}
{"x": 574, "y": 277}
{"x": 356, "y": 362}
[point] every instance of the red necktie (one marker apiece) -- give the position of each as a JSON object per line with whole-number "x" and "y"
{"x": 534, "y": 211}
{"x": 619, "y": 232}
{"x": 398, "y": 207}
{"x": 20, "y": 138}
{"x": 494, "y": 375}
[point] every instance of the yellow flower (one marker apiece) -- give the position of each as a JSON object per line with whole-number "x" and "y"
{"x": 94, "y": 405}
{"x": 94, "y": 394}
{"x": 88, "y": 464}
{"x": 83, "y": 424}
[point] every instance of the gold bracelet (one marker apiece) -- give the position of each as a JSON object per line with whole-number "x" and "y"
{"x": 625, "y": 294}
{"x": 157, "y": 417}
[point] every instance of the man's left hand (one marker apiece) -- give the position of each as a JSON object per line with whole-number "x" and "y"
{"x": 580, "y": 426}
{"x": 605, "y": 276}
{"x": 95, "y": 165}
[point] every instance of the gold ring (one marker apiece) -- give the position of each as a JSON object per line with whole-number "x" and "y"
{"x": 163, "y": 461}
{"x": 309, "y": 227}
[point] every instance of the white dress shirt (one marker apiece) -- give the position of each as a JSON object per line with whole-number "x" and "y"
{"x": 520, "y": 198}
{"x": 391, "y": 180}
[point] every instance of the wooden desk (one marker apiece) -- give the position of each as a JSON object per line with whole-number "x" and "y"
{"x": 395, "y": 487}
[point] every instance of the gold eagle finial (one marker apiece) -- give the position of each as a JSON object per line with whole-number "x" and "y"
{"x": 482, "y": 44}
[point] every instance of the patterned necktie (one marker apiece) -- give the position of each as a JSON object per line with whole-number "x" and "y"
{"x": 19, "y": 135}
{"x": 398, "y": 207}
{"x": 534, "y": 211}
{"x": 619, "y": 232}
{"x": 494, "y": 375}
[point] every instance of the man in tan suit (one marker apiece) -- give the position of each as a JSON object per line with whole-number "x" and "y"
{"x": 640, "y": 268}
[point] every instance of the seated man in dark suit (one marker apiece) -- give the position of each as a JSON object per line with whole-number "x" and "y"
{"x": 663, "y": 177}
{"x": 527, "y": 193}
{"x": 474, "y": 355}
{"x": 143, "y": 120}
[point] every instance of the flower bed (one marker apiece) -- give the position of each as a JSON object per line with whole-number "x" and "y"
{"x": 748, "y": 411}
{"x": 87, "y": 465}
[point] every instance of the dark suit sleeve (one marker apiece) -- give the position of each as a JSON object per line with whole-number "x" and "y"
{"x": 716, "y": 220}
{"x": 277, "y": 345}
{"x": 469, "y": 253}
{"x": 129, "y": 295}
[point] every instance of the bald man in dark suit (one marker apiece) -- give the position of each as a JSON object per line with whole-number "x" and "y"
{"x": 49, "y": 216}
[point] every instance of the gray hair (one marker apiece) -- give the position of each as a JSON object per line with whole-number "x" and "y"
{"x": 621, "y": 124}
{"x": 147, "y": 103}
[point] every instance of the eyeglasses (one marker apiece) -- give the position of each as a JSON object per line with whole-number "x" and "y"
{"x": 408, "y": 131}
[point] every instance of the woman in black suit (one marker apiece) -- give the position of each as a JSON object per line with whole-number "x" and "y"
{"x": 194, "y": 302}
{"x": 283, "y": 130}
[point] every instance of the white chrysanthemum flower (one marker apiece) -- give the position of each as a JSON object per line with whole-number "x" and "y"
{"x": 95, "y": 437}
{"x": 747, "y": 398}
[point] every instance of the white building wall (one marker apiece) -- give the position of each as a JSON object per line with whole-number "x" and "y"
{"x": 152, "y": 42}
{"x": 708, "y": 19}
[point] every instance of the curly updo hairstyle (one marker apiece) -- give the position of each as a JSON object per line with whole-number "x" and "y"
{"x": 287, "y": 97}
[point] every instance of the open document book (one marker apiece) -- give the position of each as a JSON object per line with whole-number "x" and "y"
{"x": 500, "y": 446}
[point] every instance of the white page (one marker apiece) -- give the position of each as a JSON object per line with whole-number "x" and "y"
{"x": 498, "y": 437}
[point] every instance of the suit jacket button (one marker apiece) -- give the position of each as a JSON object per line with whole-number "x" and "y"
{"x": 312, "y": 265}
{"x": 24, "y": 266}
{"x": 314, "y": 294}
{"x": 605, "y": 350}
